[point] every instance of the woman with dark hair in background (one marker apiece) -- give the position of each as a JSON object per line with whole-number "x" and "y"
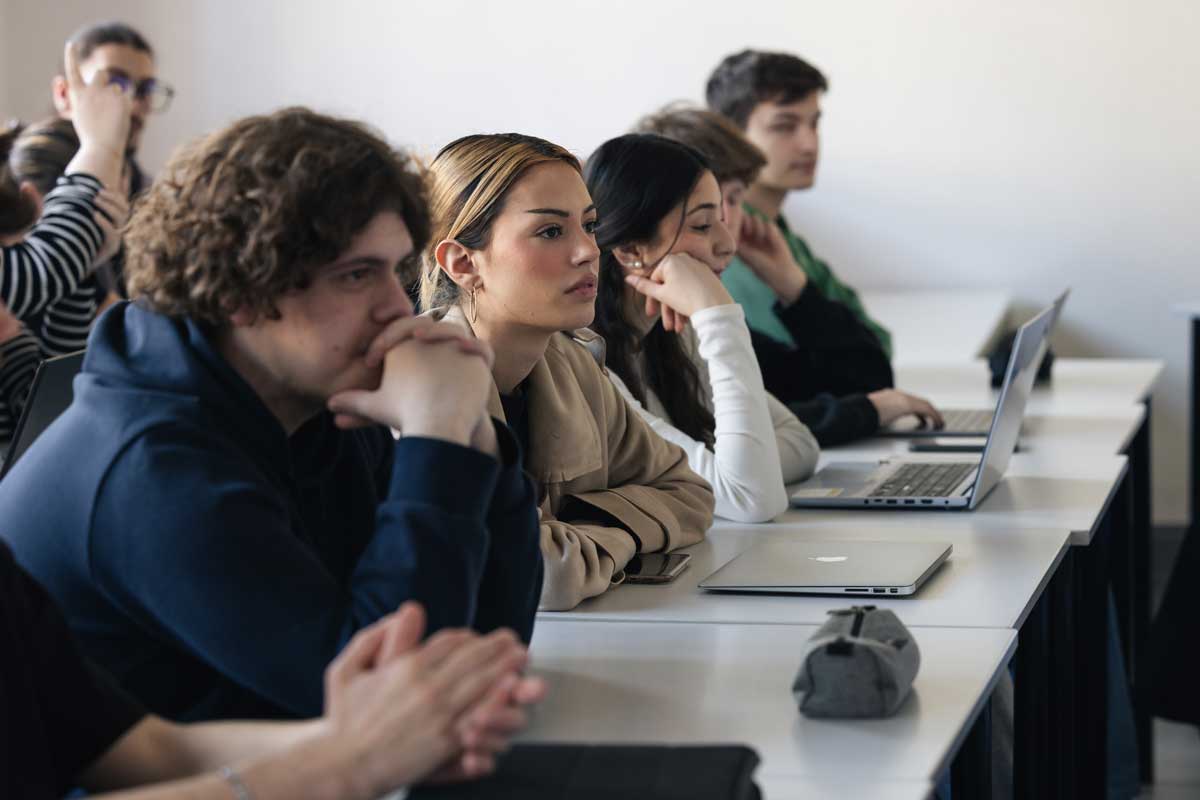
{"x": 664, "y": 244}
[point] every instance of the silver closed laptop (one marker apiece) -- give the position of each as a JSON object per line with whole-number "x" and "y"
{"x": 901, "y": 482}
{"x": 872, "y": 569}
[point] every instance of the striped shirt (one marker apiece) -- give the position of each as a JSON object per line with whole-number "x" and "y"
{"x": 49, "y": 271}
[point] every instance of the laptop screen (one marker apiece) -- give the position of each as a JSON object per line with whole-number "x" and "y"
{"x": 1029, "y": 348}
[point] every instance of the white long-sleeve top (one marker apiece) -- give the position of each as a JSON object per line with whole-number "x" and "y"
{"x": 759, "y": 444}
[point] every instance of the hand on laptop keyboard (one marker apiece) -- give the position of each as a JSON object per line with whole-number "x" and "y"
{"x": 892, "y": 404}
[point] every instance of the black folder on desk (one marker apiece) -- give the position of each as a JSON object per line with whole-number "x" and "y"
{"x": 605, "y": 772}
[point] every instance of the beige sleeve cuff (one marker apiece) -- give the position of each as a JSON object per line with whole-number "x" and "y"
{"x": 581, "y": 562}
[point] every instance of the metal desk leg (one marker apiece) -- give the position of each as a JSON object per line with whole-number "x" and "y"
{"x": 1194, "y": 480}
{"x": 1044, "y": 702}
{"x": 1091, "y": 663}
{"x": 1063, "y": 746}
{"x": 971, "y": 772}
{"x": 1143, "y": 532}
{"x": 1030, "y": 708}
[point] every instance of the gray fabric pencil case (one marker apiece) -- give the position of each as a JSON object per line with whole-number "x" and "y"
{"x": 861, "y": 663}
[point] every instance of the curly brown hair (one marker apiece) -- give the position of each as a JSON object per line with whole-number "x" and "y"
{"x": 244, "y": 215}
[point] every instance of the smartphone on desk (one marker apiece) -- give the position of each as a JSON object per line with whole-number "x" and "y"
{"x": 952, "y": 444}
{"x": 948, "y": 444}
{"x": 656, "y": 567}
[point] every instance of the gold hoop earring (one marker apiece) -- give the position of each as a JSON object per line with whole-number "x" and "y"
{"x": 474, "y": 307}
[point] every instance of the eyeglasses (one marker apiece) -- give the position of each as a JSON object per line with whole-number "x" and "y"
{"x": 157, "y": 93}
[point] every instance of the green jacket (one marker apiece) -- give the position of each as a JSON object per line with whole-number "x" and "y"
{"x": 758, "y": 299}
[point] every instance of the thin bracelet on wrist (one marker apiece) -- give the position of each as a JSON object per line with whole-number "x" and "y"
{"x": 236, "y": 785}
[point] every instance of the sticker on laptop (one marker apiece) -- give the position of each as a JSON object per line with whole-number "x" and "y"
{"x": 813, "y": 494}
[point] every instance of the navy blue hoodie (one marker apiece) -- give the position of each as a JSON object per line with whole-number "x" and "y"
{"x": 215, "y": 565}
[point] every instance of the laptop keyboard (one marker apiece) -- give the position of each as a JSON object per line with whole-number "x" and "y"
{"x": 924, "y": 480}
{"x": 964, "y": 419}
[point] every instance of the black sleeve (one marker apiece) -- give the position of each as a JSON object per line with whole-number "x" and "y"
{"x": 512, "y": 579}
{"x": 76, "y": 708}
{"x": 834, "y": 352}
{"x": 837, "y": 420}
{"x": 379, "y": 445}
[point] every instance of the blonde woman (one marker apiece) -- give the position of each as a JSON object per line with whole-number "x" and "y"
{"x": 513, "y": 258}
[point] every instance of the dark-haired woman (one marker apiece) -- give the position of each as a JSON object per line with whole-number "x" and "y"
{"x": 664, "y": 245}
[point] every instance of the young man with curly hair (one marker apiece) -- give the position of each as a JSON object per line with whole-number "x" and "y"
{"x": 223, "y": 506}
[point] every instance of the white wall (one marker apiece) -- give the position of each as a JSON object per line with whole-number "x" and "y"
{"x": 1025, "y": 145}
{"x": 5, "y": 35}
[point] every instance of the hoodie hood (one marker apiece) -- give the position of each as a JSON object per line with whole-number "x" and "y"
{"x": 134, "y": 354}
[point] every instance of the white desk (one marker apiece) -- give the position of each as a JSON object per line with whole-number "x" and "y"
{"x": 967, "y": 323}
{"x": 706, "y": 684}
{"x": 1082, "y": 437}
{"x": 992, "y": 580}
{"x": 1052, "y": 438}
{"x": 1078, "y": 386}
{"x": 1019, "y": 501}
{"x": 1192, "y": 312}
{"x": 779, "y": 787}
{"x": 1039, "y": 490}
{"x": 1116, "y": 380}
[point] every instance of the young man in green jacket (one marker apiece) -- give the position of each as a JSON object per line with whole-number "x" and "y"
{"x": 775, "y": 99}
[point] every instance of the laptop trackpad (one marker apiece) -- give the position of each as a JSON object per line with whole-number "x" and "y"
{"x": 848, "y": 479}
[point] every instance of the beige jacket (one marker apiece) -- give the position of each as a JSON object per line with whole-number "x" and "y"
{"x": 595, "y": 461}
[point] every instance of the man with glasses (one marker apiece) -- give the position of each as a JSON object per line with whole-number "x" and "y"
{"x": 128, "y": 60}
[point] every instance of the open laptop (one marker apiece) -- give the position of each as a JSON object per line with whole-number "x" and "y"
{"x": 901, "y": 482}
{"x": 893, "y": 569}
{"x": 961, "y": 422}
{"x": 49, "y": 395}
